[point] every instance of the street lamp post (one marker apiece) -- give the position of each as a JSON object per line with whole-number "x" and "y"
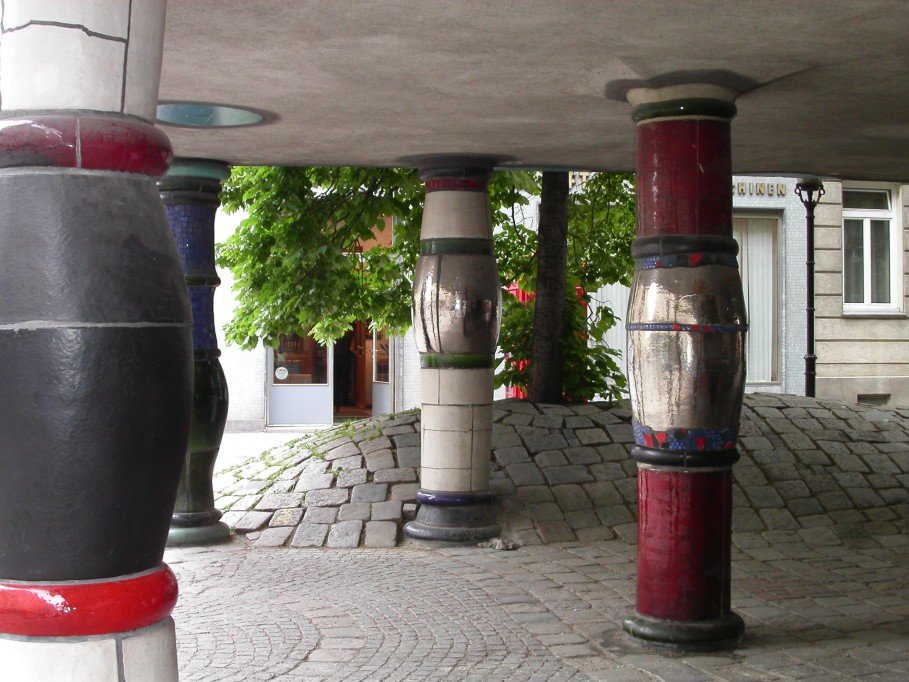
{"x": 810, "y": 191}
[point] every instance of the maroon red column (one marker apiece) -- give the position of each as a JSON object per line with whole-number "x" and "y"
{"x": 686, "y": 338}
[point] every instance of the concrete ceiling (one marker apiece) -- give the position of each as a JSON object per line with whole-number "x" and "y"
{"x": 539, "y": 82}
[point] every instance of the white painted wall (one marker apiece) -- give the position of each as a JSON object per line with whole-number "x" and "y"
{"x": 407, "y": 373}
{"x": 245, "y": 369}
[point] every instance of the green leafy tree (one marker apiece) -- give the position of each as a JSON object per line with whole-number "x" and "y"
{"x": 295, "y": 260}
{"x": 601, "y": 220}
{"x": 297, "y": 267}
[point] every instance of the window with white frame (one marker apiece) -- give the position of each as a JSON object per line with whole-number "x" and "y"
{"x": 872, "y": 246}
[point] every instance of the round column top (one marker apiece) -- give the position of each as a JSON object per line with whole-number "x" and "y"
{"x": 701, "y": 100}
{"x": 207, "y": 169}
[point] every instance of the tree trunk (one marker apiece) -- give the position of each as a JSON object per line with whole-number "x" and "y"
{"x": 549, "y": 304}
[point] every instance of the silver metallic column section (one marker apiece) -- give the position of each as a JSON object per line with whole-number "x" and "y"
{"x": 694, "y": 319}
{"x": 457, "y": 303}
{"x": 457, "y": 310}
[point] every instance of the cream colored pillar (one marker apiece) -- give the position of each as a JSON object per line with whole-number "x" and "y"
{"x": 457, "y": 308}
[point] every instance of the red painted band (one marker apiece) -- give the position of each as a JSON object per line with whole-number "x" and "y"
{"x": 684, "y": 554}
{"x": 89, "y": 142}
{"x": 455, "y": 184}
{"x": 87, "y": 608}
{"x": 684, "y": 168}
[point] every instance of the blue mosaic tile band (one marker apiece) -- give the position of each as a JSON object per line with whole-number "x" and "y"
{"x": 201, "y": 300}
{"x": 194, "y": 230}
{"x": 686, "y": 260}
{"x": 686, "y": 439}
{"x": 676, "y": 327}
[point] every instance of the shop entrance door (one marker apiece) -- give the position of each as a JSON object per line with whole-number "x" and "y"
{"x": 300, "y": 382}
{"x": 381, "y": 373}
{"x": 352, "y": 373}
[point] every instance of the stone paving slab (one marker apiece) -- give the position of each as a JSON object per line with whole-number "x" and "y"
{"x": 563, "y": 473}
{"x": 546, "y": 612}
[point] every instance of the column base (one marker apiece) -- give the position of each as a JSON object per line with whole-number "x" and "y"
{"x": 454, "y": 524}
{"x": 146, "y": 654}
{"x": 179, "y": 536}
{"x": 708, "y": 635}
{"x": 103, "y": 630}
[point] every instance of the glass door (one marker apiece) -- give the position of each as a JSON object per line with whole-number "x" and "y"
{"x": 300, "y": 382}
{"x": 758, "y": 264}
{"x": 381, "y": 372}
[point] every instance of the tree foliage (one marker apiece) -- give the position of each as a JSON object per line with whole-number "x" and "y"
{"x": 294, "y": 259}
{"x": 601, "y": 222}
{"x": 297, "y": 269}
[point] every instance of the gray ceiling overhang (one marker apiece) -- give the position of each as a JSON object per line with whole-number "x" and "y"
{"x": 824, "y": 84}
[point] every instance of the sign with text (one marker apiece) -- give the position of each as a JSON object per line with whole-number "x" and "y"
{"x": 759, "y": 189}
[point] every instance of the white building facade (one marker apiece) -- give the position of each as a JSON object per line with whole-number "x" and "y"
{"x": 861, "y": 286}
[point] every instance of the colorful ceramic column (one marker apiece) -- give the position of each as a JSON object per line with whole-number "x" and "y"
{"x": 95, "y": 346}
{"x": 686, "y": 340}
{"x": 457, "y": 309}
{"x": 190, "y": 194}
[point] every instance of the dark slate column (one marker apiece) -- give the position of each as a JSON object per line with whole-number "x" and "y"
{"x": 95, "y": 355}
{"x": 190, "y": 194}
{"x": 686, "y": 340}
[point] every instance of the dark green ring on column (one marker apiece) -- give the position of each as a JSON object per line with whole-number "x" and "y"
{"x": 456, "y": 246}
{"x": 694, "y": 106}
{"x": 454, "y": 361}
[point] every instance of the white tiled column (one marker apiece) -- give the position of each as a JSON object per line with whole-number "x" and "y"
{"x": 146, "y": 655}
{"x": 457, "y": 302}
{"x": 456, "y": 428}
{"x": 90, "y": 55}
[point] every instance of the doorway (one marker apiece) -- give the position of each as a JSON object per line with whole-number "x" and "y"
{"x": 299, "y": 382}
{"x": 312, "y": 384}
{"x": 757, "y": 238}
{"x": 351, "y": 376}
{"x": 361, "y": 376}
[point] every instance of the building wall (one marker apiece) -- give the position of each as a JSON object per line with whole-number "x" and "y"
{"x": 791, "y": 256}
{"x": 244, "y": 369}
{"x": 857, "y": 354}
{"x": 407, "y": 373}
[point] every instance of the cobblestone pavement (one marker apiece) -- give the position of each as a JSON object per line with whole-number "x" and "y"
{"x": 813, "y": 611}
{"x": 826, "y": 470}
{"x": 820, "y": 560}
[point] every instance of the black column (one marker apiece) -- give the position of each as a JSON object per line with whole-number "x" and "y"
{"x": 94, "y": 349}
